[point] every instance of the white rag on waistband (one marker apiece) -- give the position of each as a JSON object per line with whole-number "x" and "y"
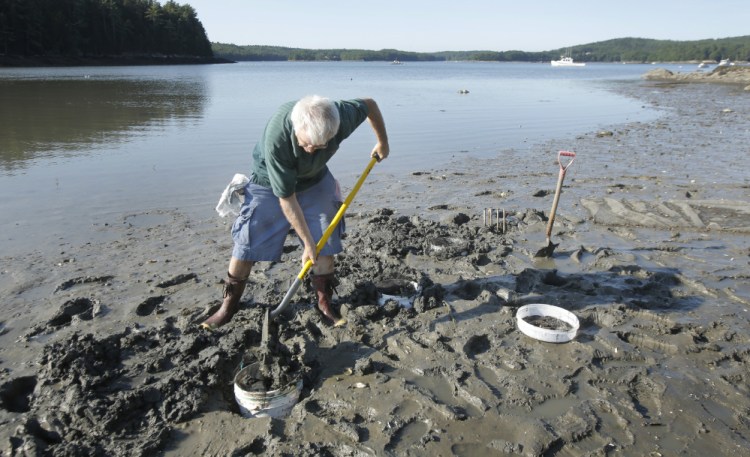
{"x": 231, "y": 199}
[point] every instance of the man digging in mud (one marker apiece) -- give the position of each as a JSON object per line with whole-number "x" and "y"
{"x": 291, "y": 185}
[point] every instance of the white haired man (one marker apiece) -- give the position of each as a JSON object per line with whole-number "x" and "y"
{"x": 291, "y": 186}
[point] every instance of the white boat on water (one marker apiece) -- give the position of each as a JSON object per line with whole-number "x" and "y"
{"x": 725, "y": 63}
{"x": 566, "y": 61}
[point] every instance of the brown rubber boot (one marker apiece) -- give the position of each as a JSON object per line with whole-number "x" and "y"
{"x": 233, "y": 288}
{"x": 324, "y": 285}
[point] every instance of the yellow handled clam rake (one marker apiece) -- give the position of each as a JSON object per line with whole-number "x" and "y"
{"x": 331, "y": 227}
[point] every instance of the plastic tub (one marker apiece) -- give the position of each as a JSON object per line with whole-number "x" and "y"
{"x": 544, "y": 334}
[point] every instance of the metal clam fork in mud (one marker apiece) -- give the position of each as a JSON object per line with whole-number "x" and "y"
{"x": 550, "y": 247}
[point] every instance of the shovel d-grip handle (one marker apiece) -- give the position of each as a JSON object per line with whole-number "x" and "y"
{"x": 562, "y": 154}
{"x": 324, "y": 239}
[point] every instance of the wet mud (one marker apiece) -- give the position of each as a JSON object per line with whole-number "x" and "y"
{"x": 106, "y": 358}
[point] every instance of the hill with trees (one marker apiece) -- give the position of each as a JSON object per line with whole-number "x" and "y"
{"x": 48, "y": 32}
{"x": 640, "y": 50}
{"x": 80, "y": 29}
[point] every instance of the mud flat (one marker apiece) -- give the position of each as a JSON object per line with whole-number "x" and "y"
{"x": 100, "y": 353}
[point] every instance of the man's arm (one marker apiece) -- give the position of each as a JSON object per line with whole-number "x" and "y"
{"x": 381, "y": 149}
{"x": 293, "y": 213}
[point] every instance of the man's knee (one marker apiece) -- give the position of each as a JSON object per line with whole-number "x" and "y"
{"x": 240, "y": 268}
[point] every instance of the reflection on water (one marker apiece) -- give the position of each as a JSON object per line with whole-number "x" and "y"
{"x": 68, "y": 117}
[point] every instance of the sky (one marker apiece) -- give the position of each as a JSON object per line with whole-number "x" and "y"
{"x": 465, "y": 25}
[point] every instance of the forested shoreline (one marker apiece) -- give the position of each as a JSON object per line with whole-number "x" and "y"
{"x": 145, "y": 32}
{"x": 625, "y": 50}
{"x": 58, "y": 32}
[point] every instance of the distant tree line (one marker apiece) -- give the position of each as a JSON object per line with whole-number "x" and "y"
{"x": 86, "y": 28}
{"x": 79, "y": 28}
{"x": 639, "y": 50}
{"x": 277, "y": 53}
{"x": 645, "y": 50}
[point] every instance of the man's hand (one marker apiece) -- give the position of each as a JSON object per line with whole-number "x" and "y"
{"x": 380, "y": 151}
{"x": 308, "y": 254}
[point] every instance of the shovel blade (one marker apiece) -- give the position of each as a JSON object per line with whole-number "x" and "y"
{"x": 547, "y": 251}
{"x": 264, "y": 339}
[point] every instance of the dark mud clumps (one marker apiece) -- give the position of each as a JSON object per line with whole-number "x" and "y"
{"x": 386, "y": 239}
{"x": 397, "y": 236}
{"x": 270, "y": 366}
{"x": 430, "y": 297}
{"x": 123, "y": 393}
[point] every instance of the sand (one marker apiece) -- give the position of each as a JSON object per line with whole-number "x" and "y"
{"x": 101, "y": 354}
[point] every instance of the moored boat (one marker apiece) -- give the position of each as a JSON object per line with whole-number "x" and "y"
{"x": 566, "y": 61}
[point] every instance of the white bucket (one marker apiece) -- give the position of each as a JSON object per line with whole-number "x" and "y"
{"x": 258, "y": 403}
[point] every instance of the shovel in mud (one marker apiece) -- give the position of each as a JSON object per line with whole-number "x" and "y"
{"x": 550, "y": 248}
{"x": 306, "y": 268}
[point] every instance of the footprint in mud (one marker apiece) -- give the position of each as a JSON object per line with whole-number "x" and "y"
{"x": 641, "y": 340}
{"x": 15, "y": 395}
{"x": 531, "y": 279}
{"x": 467, "y": 289}
{"x": 83, "y": 280}
{"x": 408, "y": 436}
{"x": 646, "y": 393}
{"x": 151, "y": 305}
{"x": 77, "y": 308}
{"x": 477, "y": 344}
{"x": 179, "y": 279}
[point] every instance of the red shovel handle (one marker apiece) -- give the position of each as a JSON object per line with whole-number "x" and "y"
{"x": 561, "y": 154}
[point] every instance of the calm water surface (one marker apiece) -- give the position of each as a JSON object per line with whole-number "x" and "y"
{"x": 79, "y": 145}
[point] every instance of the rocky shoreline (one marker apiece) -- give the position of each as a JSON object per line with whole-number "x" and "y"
{"x": 721, "y": 74}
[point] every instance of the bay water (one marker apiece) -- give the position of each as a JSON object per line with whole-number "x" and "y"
{"x": 81, "y": 145}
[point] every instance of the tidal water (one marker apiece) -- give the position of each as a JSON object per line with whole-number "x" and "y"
{"x": 79, "y": 145}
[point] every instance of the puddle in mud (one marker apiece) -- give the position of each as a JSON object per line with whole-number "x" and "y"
{"x": 554, "y": 407}
{"x": 399, "y": 291}
{"x": 475, "y": 449}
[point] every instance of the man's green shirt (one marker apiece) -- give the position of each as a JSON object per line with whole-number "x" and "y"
{"x": 281, "y": 164}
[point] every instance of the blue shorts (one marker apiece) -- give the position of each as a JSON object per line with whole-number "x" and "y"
{"x": 261, "y": 228}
